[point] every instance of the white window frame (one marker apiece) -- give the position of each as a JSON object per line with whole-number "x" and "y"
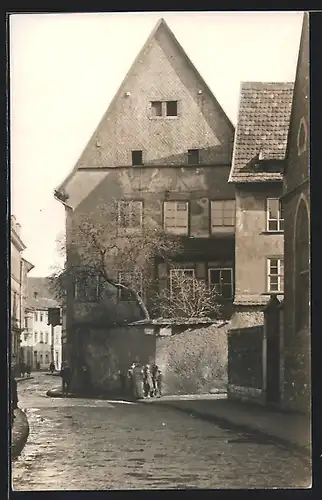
{"x": 46, "y": 337}
{"x": 164, "y": 115}
{"x": 220, "y": 284}
{"x": 212, "y": 211}
{"x": 130, "y": 203}
{"x": 175, "y": 229}
{"x": 279, "y": 220}
{"x": 36, "y": 337}
{"x": 119, "y": 277}
{"x": 280, "y": 276}
{"x": 183, "y": 270}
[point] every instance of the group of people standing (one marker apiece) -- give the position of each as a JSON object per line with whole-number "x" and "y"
{"x": 142, "y": 381}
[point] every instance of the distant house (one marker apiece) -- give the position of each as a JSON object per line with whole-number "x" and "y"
{"x": 296, "y": 202}
{"x": 19, "y": 269}
{"x": 38, "y": 345}
{"x": 257, "y": 166}
{"x": 165, "y": 145}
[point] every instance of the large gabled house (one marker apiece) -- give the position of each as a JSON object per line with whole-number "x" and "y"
{"x": 164, "y": 144}
{"x": 257, "y": 174}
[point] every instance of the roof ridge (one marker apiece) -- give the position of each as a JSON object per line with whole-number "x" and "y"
{"x": 160, "y": 24}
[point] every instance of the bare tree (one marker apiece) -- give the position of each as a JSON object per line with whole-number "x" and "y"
{"x": 188, "y": 297}
{"x": 118, "y": 244}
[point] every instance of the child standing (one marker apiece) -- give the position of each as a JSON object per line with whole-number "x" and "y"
{"x": 159, "y": 383}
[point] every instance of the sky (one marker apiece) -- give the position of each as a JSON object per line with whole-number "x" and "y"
{"x": 66, "y": 68}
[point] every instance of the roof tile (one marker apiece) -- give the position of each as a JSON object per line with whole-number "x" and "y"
{"x": 263, "y": 121}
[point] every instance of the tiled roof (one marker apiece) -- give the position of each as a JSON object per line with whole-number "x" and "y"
{"x": 39, "y": 295}
{"x": 261, "y": 132}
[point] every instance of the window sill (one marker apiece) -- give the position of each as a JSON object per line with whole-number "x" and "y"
{"x": 163, "y": 117}
{"x": 272, "y": 232}
{"x": 272, "y": 293}
{"x": 86, "y": 301}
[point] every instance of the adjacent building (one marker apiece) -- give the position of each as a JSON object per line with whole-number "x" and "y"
{"x": 164, "y": 145}
{"x": 257, "y": 174}
{"x": 19, "y": 269}
{"x": 296, "y": 202}
{"x": 40, "y": 345}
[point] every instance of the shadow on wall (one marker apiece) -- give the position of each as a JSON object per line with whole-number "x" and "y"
{"x": 194, "y": 362}
{"x": 107, "y": 352}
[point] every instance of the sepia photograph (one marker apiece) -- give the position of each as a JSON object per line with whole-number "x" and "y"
{"x": 160, "y": 310}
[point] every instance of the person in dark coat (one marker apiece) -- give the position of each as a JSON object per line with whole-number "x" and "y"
{"x": 14, "y": 396}
{"x": 28, "y": 370}
{"x": 154, "y": 373}
{"x": 52, "y": 367}
{"x": 147, "y": 380}
{"x": 159, "y": 383}
{"x": 66, "y": 377}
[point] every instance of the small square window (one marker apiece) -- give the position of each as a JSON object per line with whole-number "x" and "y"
{"x": 193, "y": 156}
{"x": 172, "y": 108}
{"x": 137, "y": 158}
{"x": 156, "y": 108}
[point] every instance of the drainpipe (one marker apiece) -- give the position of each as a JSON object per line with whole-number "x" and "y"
{"x": 20, "y": 307}
{"x": 71, "y": 337}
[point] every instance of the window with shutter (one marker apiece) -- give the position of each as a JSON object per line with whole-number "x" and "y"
{"x": 176, "y": 216}
{"x": 222, "y": 213}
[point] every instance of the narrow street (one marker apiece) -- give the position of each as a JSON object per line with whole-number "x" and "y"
{"x": 82, "y": 444}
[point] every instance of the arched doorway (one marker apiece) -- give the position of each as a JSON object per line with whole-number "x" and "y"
{"x": 301, "y": 341}
{"x": 302, "y": 264}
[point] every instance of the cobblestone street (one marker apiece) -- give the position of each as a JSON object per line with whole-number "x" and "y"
{"x": 82, "y": 444}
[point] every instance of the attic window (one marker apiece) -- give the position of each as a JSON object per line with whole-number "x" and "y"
{"x": 193, "y": 156}
{"x": 172, "y": 108}
{"x": 137, "y": 158}
{"x": 156, "y": 108}
{"x": 163, "y": 109}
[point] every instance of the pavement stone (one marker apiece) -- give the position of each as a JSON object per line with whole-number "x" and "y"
{"x": 19, "y": 433}
{"x": 287, "y": 428}
{"x": 22, "y": 379}
{"x": 88, "y": 444}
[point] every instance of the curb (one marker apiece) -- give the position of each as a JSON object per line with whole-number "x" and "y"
{"x": 57, "y": 393}
{"x": 225, "y": 423}
{"x": 54, "y": 393}
{"x": 23, "y": 379}
{"x": 18, "y": 443}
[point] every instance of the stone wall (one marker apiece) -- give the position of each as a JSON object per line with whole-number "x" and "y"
{"x": 194, "y": 361}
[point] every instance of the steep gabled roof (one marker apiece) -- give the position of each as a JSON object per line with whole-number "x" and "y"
{"x": 302, "y": 70}
{"x": 161, "y": 25}
{"x": 261, "y": 132}
{"x": 39, "y": 295}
